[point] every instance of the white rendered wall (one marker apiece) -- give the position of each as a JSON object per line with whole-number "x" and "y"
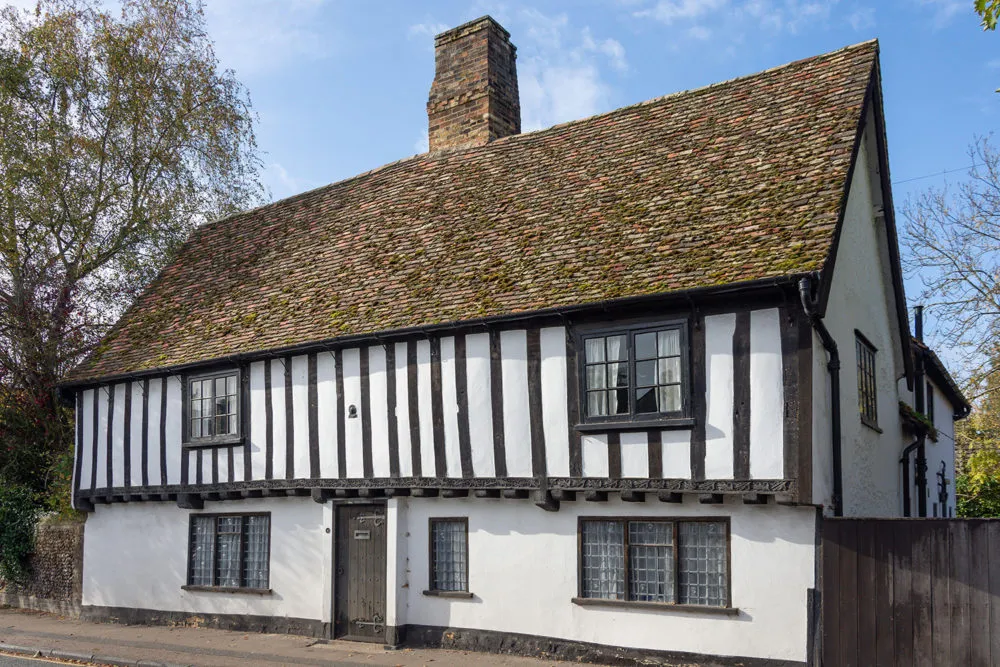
{"x": 523, "y": 574}
{"x": 861, "y": 298}
{"x": 135, "y": 555}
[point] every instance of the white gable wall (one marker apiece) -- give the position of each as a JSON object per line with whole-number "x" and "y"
{"x": 862, "y": 299}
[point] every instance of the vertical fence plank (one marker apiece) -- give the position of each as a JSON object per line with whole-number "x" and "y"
{"x": 923, "y": 651}
{"x": 993, "y": 533}
{"x": 867, "y": 592}
{"x": 831, "y": 585}
{"x": 979, "y": 592}
{"x": 884, "y": 617}
{"x": 940, "y": 594}
{"x": 902, "y": 608}
{"x": 960, "y": 639}
{"x": 848, "y": 611}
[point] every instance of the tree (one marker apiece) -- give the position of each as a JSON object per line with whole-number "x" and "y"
{"x": 989, "y": 11}
{"x": 953, "y": 238}
{"x": 118, "y": 135}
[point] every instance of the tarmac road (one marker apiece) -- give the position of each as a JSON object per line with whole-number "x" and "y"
{"x": 14, "y": 661}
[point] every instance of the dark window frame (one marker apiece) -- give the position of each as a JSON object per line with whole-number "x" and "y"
{"x": 630, "y": 330}
{"x": 676, "y": 521}
{"x": 242, "y": 404}
{"x": 866, "y": 365}
{"x": 215, "y": 536}
{"x": 432, "y": 588}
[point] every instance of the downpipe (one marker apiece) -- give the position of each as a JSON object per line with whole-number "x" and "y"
{"x": 833, "y": 367}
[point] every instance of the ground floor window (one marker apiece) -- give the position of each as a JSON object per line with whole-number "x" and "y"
{"x": 229, "y": 550}
{"x": 652, "y": 560}
{"x": 449, "y": 555}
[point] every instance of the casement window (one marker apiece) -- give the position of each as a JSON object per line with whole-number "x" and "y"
{"x": 212, "y": 408}
{"x": 229, "y": 551}
{"x": 635, "y": 373}
{"x": 449, "y": 555}
{"x": 867, "y": 389}
{"x": 684, "y": 562}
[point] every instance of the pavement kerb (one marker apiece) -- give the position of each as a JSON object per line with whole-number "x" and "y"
{"x": 38, "y": 652}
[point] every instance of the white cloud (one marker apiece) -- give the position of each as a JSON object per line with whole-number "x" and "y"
{"x": 943, "y": 11}
{"x": 259, "y": 36}
{"x": 669, "y": 11}
{"x": 611, "y": 48}
{"x": 281, "y": 184}
{"x": 699, "y": 32}
{"x": 774, "y": 16}
{"x": 422, "y": 144}
{"x": 862, "y": 18}
{"x": 427, "y": 29}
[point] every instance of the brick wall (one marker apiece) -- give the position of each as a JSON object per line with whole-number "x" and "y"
{"x": 56, "y": 583}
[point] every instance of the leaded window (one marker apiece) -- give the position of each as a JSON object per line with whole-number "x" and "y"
{"x": 229, "y": 551}
{"x": 867, "y": 389}
{"x": 213, "y": 407}
{"x": 652, "y": 560}
{"x": 449, "y": 555}
{"x": 634, "y": 373}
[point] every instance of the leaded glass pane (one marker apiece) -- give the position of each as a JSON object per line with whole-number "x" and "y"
{"x": 195, "y": 390}
{"x": 651, "y": 561}
{"x": 617, "y": 375}
{"x": 645, "y": 346}
{"x": 597, "y": 403}
{"x": 669, "y": 343}
{"x": 449, "y": 567}
{"x": 231, "y": 385}
{"x": 594, "y": 350}
{"x": 227, "y": 559}
{"x": 202, "y": 550}
{"x": 645, "y": 373}
{"x": 595, "y": 377}
{"x": 195, "y": 428}
{"x": 670, "y": 398}
{"x": 255, "y": 552}
{"x": 670, "y": 370}
{"x": 617, "y": 348}
{"x": 603, "y": 553}
{"x": 702, "y": 562}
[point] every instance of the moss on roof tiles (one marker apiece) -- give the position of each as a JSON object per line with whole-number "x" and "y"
{"x": 738, "y": 181}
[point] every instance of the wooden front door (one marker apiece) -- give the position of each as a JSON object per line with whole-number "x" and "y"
{"x": 359, "y": 609}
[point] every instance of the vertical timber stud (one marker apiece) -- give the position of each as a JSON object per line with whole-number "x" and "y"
{"x": 413, "y": 405}
{"x": 289, "y": 421}
{"x": 245, "y": 414}
{"x": 163, "y": 430}
{"x": 390, "y": 408}
{"x": 313, "y": 419}
{"x": 462, "y": 398}
{"x": 573, "y": 400}
{"x": 496, "y": 404}
{"x": 78, "y": 454}
{"x": 338, "y": 360}
{"x": 655, "y": 444}
{"x": 110, "y": 440}
{"x": 537, "y": 427}
{"x": 790, "y": 391}
{"x": 614, "y": 455}
{"x": 698, "y": 388}
{"x": 268, "y": 423}
{"x": 145, "y": 432}
{"x": 803, "y": 443}
{"x": 185, "y": 428}
{"x": 127, "y": 436}
{"x": 94, "y": 435}
{"x": 366, "y": 415}
{"x": 741, "y": 396}
{"x": 437, "y": 410}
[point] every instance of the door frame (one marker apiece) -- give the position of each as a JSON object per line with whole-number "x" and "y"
{"x": 335, "y": 505}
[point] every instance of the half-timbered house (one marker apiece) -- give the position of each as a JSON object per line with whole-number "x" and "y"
{"x": 580, "y": 388}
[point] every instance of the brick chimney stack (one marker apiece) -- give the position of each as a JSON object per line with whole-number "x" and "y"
{"x": 474, "y": 96}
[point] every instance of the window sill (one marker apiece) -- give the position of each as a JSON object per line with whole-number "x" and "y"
{"x": 644, "y": 425}
{"x": 227, "y": 589}
{"x": 657, "y": 606}
{"x": 462, "y": 595}
{"x": 873, "y": 426}
{"x": 208, "y": 444}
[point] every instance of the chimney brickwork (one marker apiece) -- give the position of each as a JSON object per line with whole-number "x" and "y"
{"x": 474, "y": 97}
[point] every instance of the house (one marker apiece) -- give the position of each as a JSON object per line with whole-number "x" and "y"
{"x": 588, "y": 390}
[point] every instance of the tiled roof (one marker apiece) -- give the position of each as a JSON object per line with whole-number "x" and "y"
{"x": 738, "y": 181}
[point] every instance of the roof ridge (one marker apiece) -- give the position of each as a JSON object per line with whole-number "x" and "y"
{"x": 513, "y": 138}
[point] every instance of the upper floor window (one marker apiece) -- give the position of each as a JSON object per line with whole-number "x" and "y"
{"x": 867, "y": 390}
{"x": 635, "y": 372}
{"x": 213, "y": 407}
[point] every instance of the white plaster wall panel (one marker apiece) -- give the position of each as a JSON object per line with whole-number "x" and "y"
{"x": 938, "y": 452}
{"x": 86, "y": 450}
{"x": 279, "y": 431}
{"x": 403, "y": 411}
{"x": 512, "y": 547}
{"x": 424, "y": 408}
{"x": 136, "y": 556}
{"x": 102, "y": 437}
{"x": 395, "y": 592}
{"x": 118, "y": 438}
{"x": 719, "y": 331}
{"x": 352, "y": 426}
{"x": 449, "y": 401}
{"x": 378, "y": 405}
{"x": 238, "y": 466}
{"x": 173, "y": 436}
{"x": 136, "y": 429}
{"x": 555, "y": 403}
{"x": 676, "y": 454}
{"x": 635, "y": 453}
{"x": 595, "y": 455}
{"x": 326, "y": 412}
{"x": 258, "y": 423}
{"x": 516, "y": 415}
{"x": 300, "y": 413}
{"x": 766, "y": 396}
{"x": 155, "y": 446}
{"x": 326, "y": 553}
{"x": 477, "y": 356}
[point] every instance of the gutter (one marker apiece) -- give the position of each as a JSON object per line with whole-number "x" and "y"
{"x": 809, "y": 307}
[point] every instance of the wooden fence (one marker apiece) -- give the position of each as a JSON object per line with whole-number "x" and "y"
{"x": 911, "y": 592}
